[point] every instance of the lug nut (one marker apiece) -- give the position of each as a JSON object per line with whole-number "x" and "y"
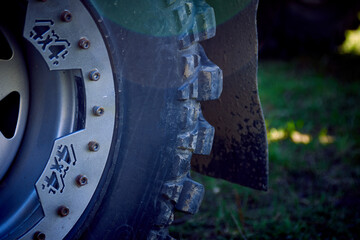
{"x": 81, "y": 180}
{"x": 93, "y": 146}
{"x": 39, "y": 236}
{"x": 94, "y": 75}
{"x": 66, "y": 16}
{"x": 84, "y": 43}
{"x": 63, "y": 211}
{"x": 98, "y": 111}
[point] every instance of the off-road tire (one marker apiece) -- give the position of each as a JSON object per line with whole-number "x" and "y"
{"x": 167, "y": 185}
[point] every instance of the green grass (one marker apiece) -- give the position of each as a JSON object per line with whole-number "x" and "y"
{"x": 313, "y": 122}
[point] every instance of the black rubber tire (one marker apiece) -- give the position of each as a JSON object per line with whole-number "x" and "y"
{"x": 294, "y": 27}
{"x": 159, "y": 125}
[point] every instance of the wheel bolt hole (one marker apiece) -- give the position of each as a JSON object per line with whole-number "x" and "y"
{"x": 63, "y": 211}
{"x": 98, "y": 111}
{"x": 94, "y": 146}
{"x": 84, "y": 43}
{"x": 94, "y": 75}
{"x": 66, "y": 16}
{"x": 82, "y": 180}
{"x": 39, "y": 236}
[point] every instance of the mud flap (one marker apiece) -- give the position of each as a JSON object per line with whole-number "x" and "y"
{"x": 239, "y": 153}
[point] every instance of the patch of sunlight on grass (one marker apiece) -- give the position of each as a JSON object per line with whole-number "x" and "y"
{"x": 276, "y": 135}
{"x": 291, "y": 131}
{"x": 298, "y": 137}
{"x": 326, "y": 139}
{"x": 351, "y": 44}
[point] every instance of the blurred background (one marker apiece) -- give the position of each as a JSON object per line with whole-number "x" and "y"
{"x": 309, "y": 84}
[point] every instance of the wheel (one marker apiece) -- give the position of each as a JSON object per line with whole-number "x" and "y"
{"x": 101, "y": 103}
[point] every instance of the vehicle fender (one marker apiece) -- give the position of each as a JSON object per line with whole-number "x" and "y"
{"x": 240, "y": 152}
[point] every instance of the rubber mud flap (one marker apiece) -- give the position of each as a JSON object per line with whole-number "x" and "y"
{"x": 239, "y": 151}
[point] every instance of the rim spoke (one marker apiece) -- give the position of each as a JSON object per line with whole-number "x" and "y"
{"x": 14, "y": 98}
{"x": 6, "y": 152}
{"x": 3, "y": 140}
{"x": 11, "y": 79}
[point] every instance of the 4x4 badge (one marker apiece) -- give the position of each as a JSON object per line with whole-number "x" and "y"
{"x": 62, "y": 161}
{"x": 44, "y": 35}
